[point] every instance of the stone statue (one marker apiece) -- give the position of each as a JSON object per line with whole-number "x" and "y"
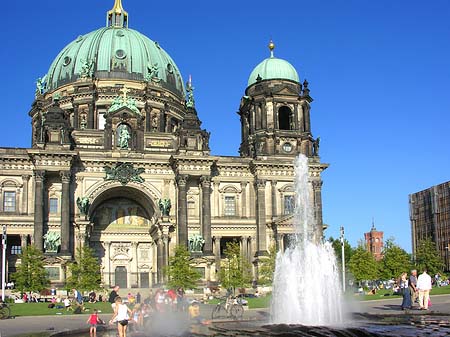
{"x": 316, "y": 144}
{"x": 83, "y": 123}
{"x": 196, "y": 243}
{"x": 124, "y": 137}
{"x": 87, "y": 68}
{"x": 83, "y": 205}
{"x": 52, "y": 241}
{"x": 40, "y": 86}
{"x": 164, "y": 206}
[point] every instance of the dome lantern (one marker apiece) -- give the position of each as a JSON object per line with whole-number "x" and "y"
{"x": 117, "y": 16}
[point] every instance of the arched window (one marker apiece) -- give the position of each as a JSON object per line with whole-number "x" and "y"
{"x": 285, "y": 118}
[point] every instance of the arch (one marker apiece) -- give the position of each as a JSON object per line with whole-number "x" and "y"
{"x": 9, "y": 183}
{"x": 139, "y": 193}
{"x": 287, "y": 188}
{"x": 229, "y": 189}
{"x": 285, "y": 119}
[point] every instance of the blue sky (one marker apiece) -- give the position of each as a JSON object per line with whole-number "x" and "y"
{"x": 379, "y": 72}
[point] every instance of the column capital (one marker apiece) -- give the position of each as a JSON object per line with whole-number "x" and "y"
{"x": 26, "y": 177}
{"x": 205, "y": 181}
{"x": 273, "y": 183}
{"x": 182, "y": 179}
{"x": 39, "y": 175}
{"x": 65, "y": 176}
{"x": 260, "y": 183}
{"x": 243, "y": 184}
{"x": 317, "y": 184}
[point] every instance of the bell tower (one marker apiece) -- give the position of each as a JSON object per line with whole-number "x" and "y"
{"x": 275, "y": 112}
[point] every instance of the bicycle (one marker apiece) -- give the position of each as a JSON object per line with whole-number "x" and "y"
{"x": 5, "y": 312}
{"x": 228, "y": 308}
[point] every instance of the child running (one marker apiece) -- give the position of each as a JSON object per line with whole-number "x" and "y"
{"x": 93, "y": 320}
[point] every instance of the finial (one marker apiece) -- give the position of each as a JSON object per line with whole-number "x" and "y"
{"x": 117, "y": 16}
{"x": 271, "y": 47}
{"x": 373, "y": 224}
{"x": 190, "y": 103}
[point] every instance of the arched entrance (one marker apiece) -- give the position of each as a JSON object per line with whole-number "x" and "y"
{"x": 121, "y": 218}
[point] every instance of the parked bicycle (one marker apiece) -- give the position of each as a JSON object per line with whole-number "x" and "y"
{"x": 5, "y": 312}
{"x": 230, "y": 307}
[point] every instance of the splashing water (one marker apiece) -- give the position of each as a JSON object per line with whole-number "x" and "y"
{"x": 306, "y": 288}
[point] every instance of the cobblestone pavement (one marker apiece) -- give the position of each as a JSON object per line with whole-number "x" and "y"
{"x": 383, "y": 312}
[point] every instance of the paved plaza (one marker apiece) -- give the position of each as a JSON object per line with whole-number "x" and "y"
{"x": 369, "y": 311}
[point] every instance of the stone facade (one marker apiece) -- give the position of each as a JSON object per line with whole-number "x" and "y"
{"x": 106, "y": 149}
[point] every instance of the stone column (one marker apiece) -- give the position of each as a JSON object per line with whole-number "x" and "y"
{"x": 244, "y": 199}
{"x": 317, "y": 189}
{"x": 251, "y": 244}
{"x": 206, "y": 214}
{"x": 134, "y": 266}
{"x": 39, "y": 178}
{"x": 261, "y": 245}
{"x": 25, "y": 180}
{"x": 91, "y": 120}
{"x": 216, "y": 198}
{"x": 182, "y": 210}
{"x": 160, "y": 260}
{"x": 107, "y": 276}
{"x": 65, "y": 212}
{"x": 23, "y": 241}
{"x": 274, "y": 198}
{"x": 217, "y": 251}
{"x": 75, "y": 117}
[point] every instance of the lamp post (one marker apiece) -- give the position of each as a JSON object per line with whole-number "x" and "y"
{"x": 3, "y": 262}
{"x": 343, "y": 259}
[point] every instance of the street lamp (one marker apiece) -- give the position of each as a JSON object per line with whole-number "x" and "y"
{"x": 343, "y": 259}
{"x": 3, "y": 262}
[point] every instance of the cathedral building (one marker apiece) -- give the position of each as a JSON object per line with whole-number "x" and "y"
{"x": 119, "y": 162}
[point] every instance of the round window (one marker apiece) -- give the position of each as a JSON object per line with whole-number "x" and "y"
{"x": 120, "y": 54}
{"x": 169, "y": 68}
{"x": 67, "y": 60}
{"x": 120, "y": 33}
{"x": 287, "y": 147}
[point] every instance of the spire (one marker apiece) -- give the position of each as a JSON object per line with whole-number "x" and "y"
{"x": 373, "y": 225}
{"x": 117, "y": 16}
{"x": 190, "y": 93}
{"x": 271, "y": 47}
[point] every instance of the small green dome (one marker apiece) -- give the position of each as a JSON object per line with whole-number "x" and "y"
{"x": 273, "y": 68}
{"x": 115, "y": 53}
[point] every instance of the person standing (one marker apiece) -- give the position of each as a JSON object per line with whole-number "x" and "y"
{"x": 93, "y": 320}
{"x": 424, "y": 287}
{"x": 404, "y": 289}
{"x": 113, "y": 295}
{"x": 413, "y": 286}
{"x": 121, "y": 316}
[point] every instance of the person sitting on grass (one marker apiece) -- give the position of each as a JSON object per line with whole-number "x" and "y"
{"x": 93, "y": 320}
{"x": 67, "y": 304}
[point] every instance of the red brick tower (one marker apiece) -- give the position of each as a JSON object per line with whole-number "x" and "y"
{"x": 374, "y": 242}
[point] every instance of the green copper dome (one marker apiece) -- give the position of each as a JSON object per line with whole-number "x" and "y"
{"x": 273, "y": 68}
{"x": 115, "y": 52}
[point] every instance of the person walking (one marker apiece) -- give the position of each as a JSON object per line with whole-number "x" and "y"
{"x": 413, "y": 286}
{"x": 424, "y": 287}
{"x": 404, "y": 289}
{"x": 113, "y": 295}
{"x": 121, "y": 316}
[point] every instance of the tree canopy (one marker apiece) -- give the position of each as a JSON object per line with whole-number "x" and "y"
{"x": 234, "y": 270}
{"x": 395, "y": 261}
{"x": 84, "y": 272}
{"x": 180, "y": 273}
{"x": 427, "y": 256}
{"x": 31, "y": 274}
{"x": 363, "y": 265}
{"x": 267, "y": 267}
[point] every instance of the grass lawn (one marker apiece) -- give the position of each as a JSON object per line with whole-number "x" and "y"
{"x": 37, "y": 309}
{"x": 253, "y": 302}
{"x": 386, "y": 294}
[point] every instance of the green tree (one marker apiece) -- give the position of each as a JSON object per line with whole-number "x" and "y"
{"x": 267, "y": 267}
{"x": 427, "y": 256}
{"x": 362, "y": 265}
{"x": 84, "y": 272}
{"x": 337, "y": 246}
{"x": 31, "y": 274}
{"x": 179, "y": 271}
{"x": 235, "y": 271}
{"x": 395, "y": 261}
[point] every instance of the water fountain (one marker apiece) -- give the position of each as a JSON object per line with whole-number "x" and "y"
{"x": 307, "y": 288}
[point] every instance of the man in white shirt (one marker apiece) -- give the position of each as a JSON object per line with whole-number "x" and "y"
{"x": 424, "y": 287}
